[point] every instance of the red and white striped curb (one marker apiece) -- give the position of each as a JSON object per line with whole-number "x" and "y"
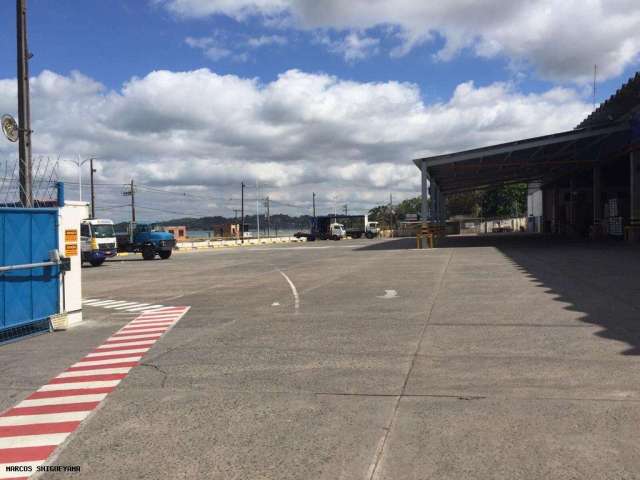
{"x": 32, "y": 430}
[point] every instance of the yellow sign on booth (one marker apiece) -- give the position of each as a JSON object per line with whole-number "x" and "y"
{"x": 70, "y": 242}
{"x": 71, "y": 236}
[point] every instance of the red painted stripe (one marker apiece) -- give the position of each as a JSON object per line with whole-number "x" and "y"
{"x": 151, "y": 320}
{"x": 25, "y": 454}
{"x": 148, "y": 318}
{"x": 150, "y": 323}
{"x": 166, "y": 309}
{"x": 69, "y": 393}
{"x": 131, "y": 330}
{"x": 89, "y": 378}
{"x": 111, "y": 357}
{"x": 17, "y": 478}
{"x": 38, "y": 429}
{"x": 98, "y": 367}
{"x": 142, "y": 339}
{"x": 44, "y": 409}
{"x": 115, "y": 349}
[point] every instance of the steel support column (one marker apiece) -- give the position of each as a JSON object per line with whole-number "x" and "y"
{"x": 634, "y": 175}
{"x": 597, "y": 194}
{"x": 424, "y": 212}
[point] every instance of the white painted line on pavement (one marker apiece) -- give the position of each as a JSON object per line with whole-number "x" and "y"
{"x": 296, "y": 297}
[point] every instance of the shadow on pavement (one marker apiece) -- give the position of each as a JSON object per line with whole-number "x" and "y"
{"x": 391, "y": 244}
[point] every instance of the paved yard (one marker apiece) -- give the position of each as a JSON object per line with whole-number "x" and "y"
{"x": 489, "y": 358}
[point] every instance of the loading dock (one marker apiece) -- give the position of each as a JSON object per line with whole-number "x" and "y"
{"x": 585, "y": 181}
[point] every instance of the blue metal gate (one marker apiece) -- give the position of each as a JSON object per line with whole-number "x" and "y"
{"x": 27, "y": 296}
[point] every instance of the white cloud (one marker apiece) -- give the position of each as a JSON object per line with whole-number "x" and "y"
{"x": 352, "y": 47}
{"x": 560, "y": 39}
{"x": 265, "y": 40}
{"x": 303, "y": 132}
{"x": 212, "y": 48}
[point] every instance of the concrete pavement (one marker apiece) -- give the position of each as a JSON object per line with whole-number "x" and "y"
{"x": 500, "y": 357}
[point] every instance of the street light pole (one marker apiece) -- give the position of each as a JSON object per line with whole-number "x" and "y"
{"x": 258, "y": 209}
{"x": 242, "y": 215}
{"x": 93, "y": 192}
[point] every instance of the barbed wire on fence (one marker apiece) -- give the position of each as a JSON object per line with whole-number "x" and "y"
{"x": 44, "y": 181}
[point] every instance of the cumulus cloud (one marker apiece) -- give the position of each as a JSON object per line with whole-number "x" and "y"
{"x": 352, "y": 47}
{"x": 199, "y": 131}
{"x": 212, "y": 48}
{"x": 561, "y": 40}
{"x": 265, "y": 40}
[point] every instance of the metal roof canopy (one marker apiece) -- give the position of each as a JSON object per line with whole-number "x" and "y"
{"x": 534, "y": 159}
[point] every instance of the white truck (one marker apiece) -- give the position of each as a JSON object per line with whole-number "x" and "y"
{"x": 97, "y": 240}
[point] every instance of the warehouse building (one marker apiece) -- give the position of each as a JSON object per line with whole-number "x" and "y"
{"x": 585, "y": 181}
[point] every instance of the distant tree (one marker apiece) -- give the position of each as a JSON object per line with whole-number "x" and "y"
{"x": 465, "y": 203}
{"x": 505, "y": 201}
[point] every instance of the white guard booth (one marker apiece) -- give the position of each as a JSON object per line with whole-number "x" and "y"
{"x": 69, "y": 218}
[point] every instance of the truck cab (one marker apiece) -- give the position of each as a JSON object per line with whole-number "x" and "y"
{"x": 148, "y": 240}
{"x": 337, "y": 231}
{"x": 97, "y": 240}
{"x": 372, "y": 230}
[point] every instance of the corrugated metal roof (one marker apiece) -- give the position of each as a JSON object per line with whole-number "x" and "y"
{"x": 619, "y": 106}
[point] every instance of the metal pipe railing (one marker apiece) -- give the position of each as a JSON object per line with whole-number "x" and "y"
{"x": 27, "y": 266}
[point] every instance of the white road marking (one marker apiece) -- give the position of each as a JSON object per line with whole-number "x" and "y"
{"x": 50, "y": 387}
{"x": 126, "y": 344}
{"x": 117, "y": 304}
{"x": 389, "y": 294}
{"x": 107, "y": 362}
{"x": 294, "y": 290}
{"x": 38, "y": 402}
{"x": 44, "y": 418}
{"x": 275, "y": 304}
{"x": 102, "y": 303}
{"x": 118, "y": 352}
{"x": 131, "y": 306}
{"x": 33, "y": 440}
{"x": 100, "y": 371}
{"x": 136, "y": 337}
{"x": 139, "y": 309}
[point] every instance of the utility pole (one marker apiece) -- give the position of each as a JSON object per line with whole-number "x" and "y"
{"x": 257, "y": 209}
{"x": 345, "y": 207}
{"x": 314, "y": 205}
{"x": 131, "y": 193}
{"x": 390, "y": 211}
{"x": 267, "y": 204}
{"x": 242, "y": 214}
{"x": 24, "y": 110}
{"x": 93, "y": 192}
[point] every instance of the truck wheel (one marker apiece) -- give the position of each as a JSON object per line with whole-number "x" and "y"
{"x": 164, "y": 254}
{"x": 311, "y": 238}
{"x": 96, "y": 263}
{"x": 148, "y": 253}
{"x": 369, "y": 235}
{"x": 356, "y": 235}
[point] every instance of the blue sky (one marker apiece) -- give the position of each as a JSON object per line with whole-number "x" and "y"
{"x": 116, "y": 40}
{"x": 299, "y": 89}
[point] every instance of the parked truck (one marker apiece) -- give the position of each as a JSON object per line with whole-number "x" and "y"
{"x": 323, "y": 228}
{"x": 358, "y": 225}
{"x": 97, "y": 240}
{"x": 146, "y": 239}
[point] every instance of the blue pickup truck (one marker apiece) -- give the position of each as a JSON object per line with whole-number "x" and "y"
{"x": 146, "y": 239}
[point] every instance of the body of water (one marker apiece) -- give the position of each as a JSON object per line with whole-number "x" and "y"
{"x": 287, "y": 232}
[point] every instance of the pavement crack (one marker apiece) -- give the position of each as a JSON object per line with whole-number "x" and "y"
{"x": 377, "y": 460}
{"x": 165, "y": 375}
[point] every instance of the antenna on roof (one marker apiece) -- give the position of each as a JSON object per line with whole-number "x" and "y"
{"x": 595, "y": 75}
